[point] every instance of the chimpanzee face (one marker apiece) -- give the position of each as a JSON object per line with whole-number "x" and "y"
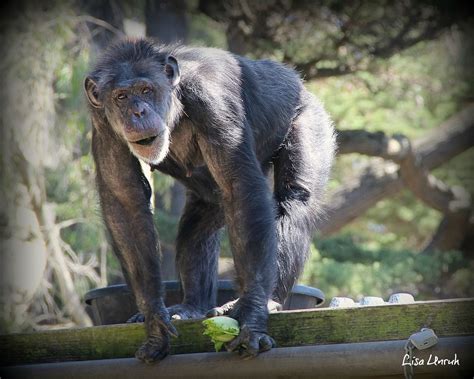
{"x": 136, "y": 99}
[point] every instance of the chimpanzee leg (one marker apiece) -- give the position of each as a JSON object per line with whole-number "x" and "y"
{"x": 197, "y": 255}
{"x": 302, "y": 170}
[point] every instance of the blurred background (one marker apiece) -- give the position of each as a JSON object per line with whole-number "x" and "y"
{"x": 397, "y": 78}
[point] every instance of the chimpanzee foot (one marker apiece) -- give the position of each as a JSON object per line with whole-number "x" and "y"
{"x": 184, "y": 312}
{"x": 223, "y": 310}
{"x": 177, "y": 312}
{"x": 137, "y": 317}
{"x": 249, "y": 343}
{"x": 227, "y": 308}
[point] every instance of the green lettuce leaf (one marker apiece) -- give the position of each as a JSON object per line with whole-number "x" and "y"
{"x": 221, "y": 329}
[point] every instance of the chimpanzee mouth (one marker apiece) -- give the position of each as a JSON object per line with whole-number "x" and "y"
{"x": 146, "y": 141}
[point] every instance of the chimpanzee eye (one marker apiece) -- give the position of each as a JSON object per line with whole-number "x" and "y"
{"x": 121, "y": 96}
{"x": 146, "y": 90}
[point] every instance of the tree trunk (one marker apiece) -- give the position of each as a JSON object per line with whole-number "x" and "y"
{"x": 109, "y": 11}
{"x": 166, "y": 20}
{"x": 235, "y": 39}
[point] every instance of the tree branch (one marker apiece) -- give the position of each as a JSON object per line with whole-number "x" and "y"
{"x": 376, "y": 144}
{"x": 360, "y": 194}
{"x": 381, "y": 180}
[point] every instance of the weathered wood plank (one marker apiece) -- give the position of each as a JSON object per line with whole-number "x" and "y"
{"x": 382, "y": 359}
{"x": 290, "y": 328}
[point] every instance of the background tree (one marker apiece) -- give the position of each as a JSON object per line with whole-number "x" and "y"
{"x": 395, "y": 76}
{"x": 349, "y": 36}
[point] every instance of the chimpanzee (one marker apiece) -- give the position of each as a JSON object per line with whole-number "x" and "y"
{"x": 219, "y": 123}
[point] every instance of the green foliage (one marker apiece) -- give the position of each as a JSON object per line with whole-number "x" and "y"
{"x": 410, "y": 93}
{"x": 406, "y": 94}
{"x": 203, "y": 31}
{"x": 167, "y": 226}
{"x": 348, "y": 266}
{"x": 459, "y": 171}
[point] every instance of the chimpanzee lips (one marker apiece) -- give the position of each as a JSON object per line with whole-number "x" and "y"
{"x": 146, "y": 141}
{"x": 151, "y": 149}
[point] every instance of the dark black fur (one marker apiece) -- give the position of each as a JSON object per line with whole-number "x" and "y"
{"x": 228, "y": 120}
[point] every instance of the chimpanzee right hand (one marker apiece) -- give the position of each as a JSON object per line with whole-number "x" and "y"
{"x": 158, "y": 328}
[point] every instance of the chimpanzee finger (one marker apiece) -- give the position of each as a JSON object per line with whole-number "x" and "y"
{"x": 234, "y": 344}
{"x": 266, "y": 343}
{"x": 249, "y": 344}
{"x": 222, "y": 310}
{"x": 242, "y": 339}
{"x": 252, "y": 347}
{"x": 151, "y": 352}
{"x": 137, "y": 317}
{"x": 171, "y": 329}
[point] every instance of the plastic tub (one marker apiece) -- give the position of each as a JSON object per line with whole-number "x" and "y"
{"x": 115, "y": 304}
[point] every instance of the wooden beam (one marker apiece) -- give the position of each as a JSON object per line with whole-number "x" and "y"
{"x": 289, "y": 328}
{"x": 361, "y": 360}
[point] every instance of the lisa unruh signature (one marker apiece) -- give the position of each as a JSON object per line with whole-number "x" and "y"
{"x": 433, "y": 360}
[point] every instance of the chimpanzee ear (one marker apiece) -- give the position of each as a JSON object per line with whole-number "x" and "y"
{"x": 92, "y": 92}
{"x": 172, "y": 70}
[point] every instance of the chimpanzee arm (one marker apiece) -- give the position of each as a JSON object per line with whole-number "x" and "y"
{"x": 125, "y": 199}
{"x": 250, "y": 218}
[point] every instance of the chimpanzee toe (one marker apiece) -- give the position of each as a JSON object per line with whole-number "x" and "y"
{"x": 137, "y": 317}
{"x": 184, "y": 312}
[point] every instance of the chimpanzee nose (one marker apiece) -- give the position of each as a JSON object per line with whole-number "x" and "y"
{"x": 139, "y": 110}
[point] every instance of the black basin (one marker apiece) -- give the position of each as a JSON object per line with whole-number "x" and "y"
{"x": 115, "y": 304}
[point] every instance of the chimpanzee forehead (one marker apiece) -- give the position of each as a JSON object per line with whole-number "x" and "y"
{"x": 125, "y": 72}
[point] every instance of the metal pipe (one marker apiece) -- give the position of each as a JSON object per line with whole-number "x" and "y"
{"x": 320, "y": 361}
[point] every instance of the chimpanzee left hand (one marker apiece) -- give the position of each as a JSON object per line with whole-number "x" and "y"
{"x": 249, "y": 343}
{"x": 253, "y": 338}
